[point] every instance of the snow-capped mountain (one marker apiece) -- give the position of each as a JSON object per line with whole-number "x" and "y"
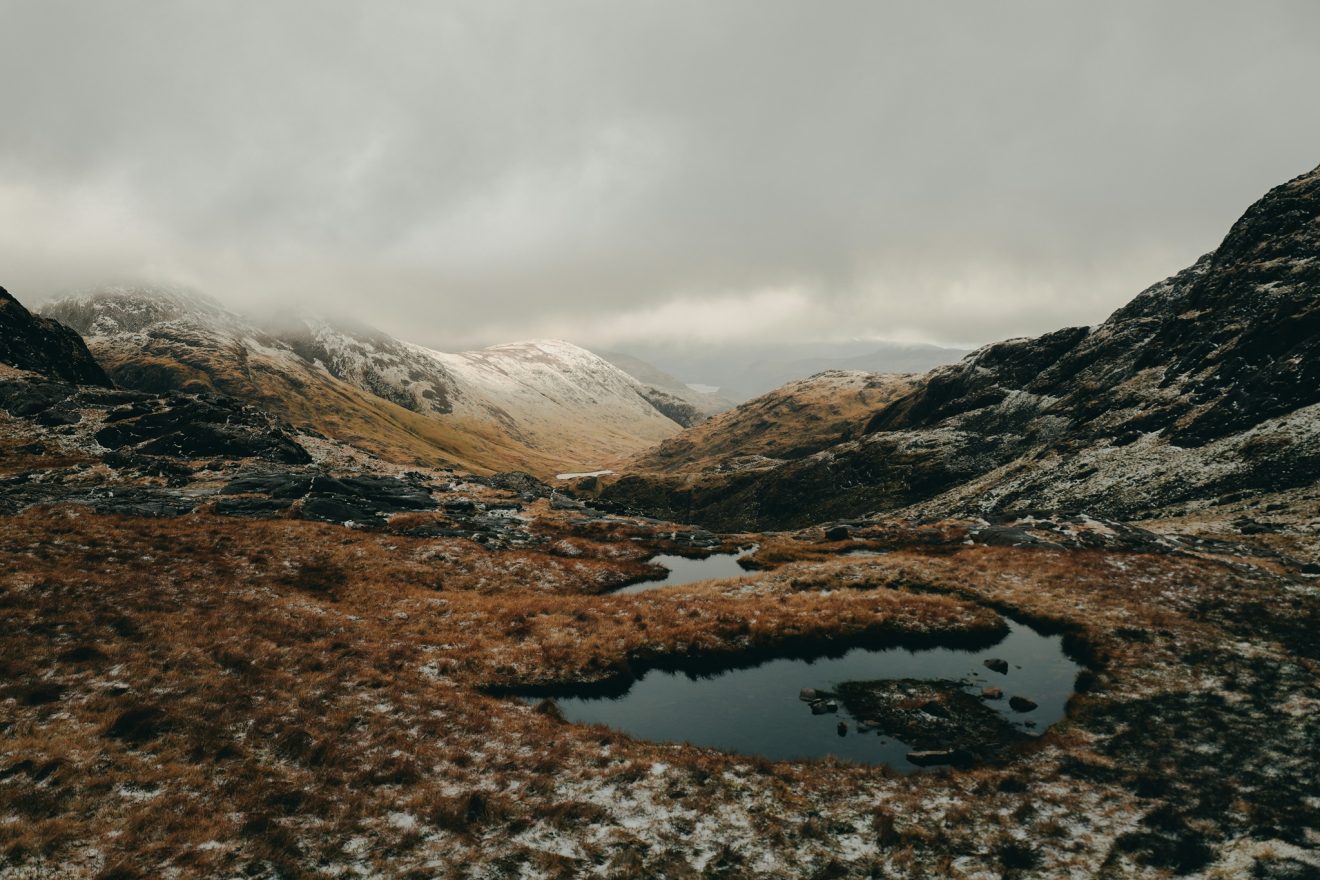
{"x": 543, "y": 406}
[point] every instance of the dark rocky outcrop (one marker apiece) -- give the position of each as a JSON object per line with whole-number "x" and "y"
{"x": 516, "y": 481}
{"x": 44, "y": 346}
{"x": 1198, "y": 388}
{"x": 363, "y": 499}
{"x": 195, "y": 426}
{"x": 672, "y": 406}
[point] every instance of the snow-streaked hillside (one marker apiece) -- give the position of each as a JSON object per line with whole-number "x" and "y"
{"x": 544, "y": 406}
{"x": 544, "y": 388}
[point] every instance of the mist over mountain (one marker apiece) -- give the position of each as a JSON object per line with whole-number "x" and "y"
{"x": 492, "y": 439}
{"x": 743, "y": 370}
{"x": 544, "y": 406}
{"x": 1204, "y": 386}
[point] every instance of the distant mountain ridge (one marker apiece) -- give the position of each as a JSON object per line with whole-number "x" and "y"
{"x": 701, "y": 404}
{"x": 744, "y": 370}
{"x": 792, "y": 422}
{"x": 1206, "y": 386}
{"x": 544, "y": 406}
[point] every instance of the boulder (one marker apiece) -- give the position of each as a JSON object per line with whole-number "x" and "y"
{"x": 994, "y": 664}
{"x": 28, "y": 397}
{"x": 517, "y": 481}
{"x": 935, "y": 709}
{"x": 838, "y": 533}
{"x": 1021, "y": 704}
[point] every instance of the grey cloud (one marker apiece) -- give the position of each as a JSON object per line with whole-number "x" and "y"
{"x": 467, "y": 172}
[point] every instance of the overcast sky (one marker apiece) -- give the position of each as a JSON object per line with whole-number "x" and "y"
{"x": 468, "y": 173}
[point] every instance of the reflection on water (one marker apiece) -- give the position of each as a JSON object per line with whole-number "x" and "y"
{"x": 686, "y": 571}
{"x": 756, "y": 710}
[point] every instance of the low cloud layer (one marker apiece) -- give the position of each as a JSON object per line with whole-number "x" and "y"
{"x": 468, "y": 173}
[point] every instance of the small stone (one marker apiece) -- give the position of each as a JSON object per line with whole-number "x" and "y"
{"x": 843, "y": 728}
{"x": 824, "y": 707}
{"x": 1021, "y": 704}
{"x": 808, "y": 695}
{"x": 992, "y": 694}
{"x": 936, "y": 709}
{"x": 931, "y": 757}
{"x": 994, "y": 664}
{"x": 838, "y": 533}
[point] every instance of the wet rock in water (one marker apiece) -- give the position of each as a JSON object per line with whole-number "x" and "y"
{"x": 824, "y": 707}
{"x": 1021, "y": 704}
{"x": 808, "y": 695}
{"x": 838, "y": 533}
{"x": 992, "y": 693}
{"x": 843, "y": 728}
{"x": 931, "y": 757}
{"x": 994, "y": 664}
{"x": 930, "y": 715}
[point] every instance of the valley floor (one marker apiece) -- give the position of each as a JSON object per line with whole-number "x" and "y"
{"x": 208, "y": 695}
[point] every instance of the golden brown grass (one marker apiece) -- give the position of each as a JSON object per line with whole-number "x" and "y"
{"x": 802, "y": 417}
{"x": 213, "y": 695}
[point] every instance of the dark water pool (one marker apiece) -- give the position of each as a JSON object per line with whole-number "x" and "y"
{"x": 687, "y": 571}
{"x": 756, "y": 710}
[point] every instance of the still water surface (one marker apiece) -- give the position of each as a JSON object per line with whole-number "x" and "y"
{"x": 756, "y": 710}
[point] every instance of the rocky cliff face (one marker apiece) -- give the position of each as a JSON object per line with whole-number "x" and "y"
{"x": 41, "y": 345}
{"x": 1206, "y": 385}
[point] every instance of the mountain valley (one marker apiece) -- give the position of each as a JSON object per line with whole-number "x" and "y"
{"x": 298, "y": 600}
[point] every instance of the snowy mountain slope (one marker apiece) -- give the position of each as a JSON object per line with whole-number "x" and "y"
{"x": 545, "y": 407}
{"x": 541, "y": 389}
{"x": 374, "y": 362}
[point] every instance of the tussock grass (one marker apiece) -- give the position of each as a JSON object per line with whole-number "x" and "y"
{"x": 218, "y": 697}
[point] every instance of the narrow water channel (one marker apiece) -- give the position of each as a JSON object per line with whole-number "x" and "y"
{"x": 686, "y": 571}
